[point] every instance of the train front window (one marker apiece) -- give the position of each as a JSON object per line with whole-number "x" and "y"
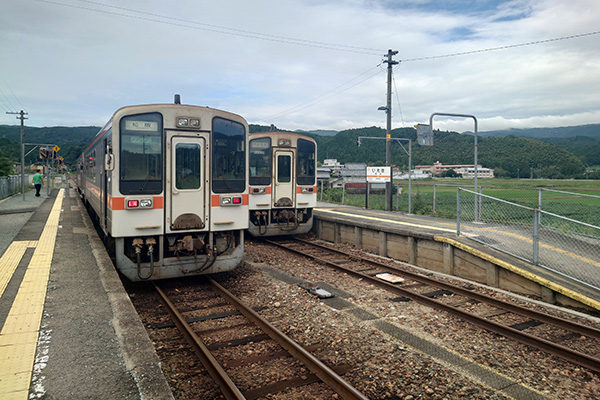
{"x": 284, "y": 169}
{"x": 229, "y": 156}
{"x": 306, "y": 163}
{"x": 187, "y": 166}
{"x": 260, "y": 161}
{"x": 141, "y": 154}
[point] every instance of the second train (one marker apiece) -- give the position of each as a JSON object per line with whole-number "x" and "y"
{"x": 283, "y": 191}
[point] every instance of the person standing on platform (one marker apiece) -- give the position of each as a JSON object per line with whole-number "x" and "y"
{"x": 38, "y": 181}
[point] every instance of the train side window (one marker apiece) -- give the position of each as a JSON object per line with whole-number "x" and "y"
{"x": 187, "y": 166}
{"x": 260, "y": 161}
{"x": 306, "y": 163}
{"x": 284, "y": 169}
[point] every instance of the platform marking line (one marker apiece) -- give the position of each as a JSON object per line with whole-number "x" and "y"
{"x": 515, "y": 235}
{"x": 391, "y": 221}
{"x": 19, "y": 336}
{"x": 11, "y": 259}
{"x": 529, "y": 275}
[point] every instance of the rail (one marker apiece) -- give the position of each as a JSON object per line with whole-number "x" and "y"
{"x": 229, "y": 389}
{"x": 566, "y": 353}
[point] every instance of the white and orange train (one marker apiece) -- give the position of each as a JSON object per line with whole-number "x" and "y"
{"x": 283, "y": 191}
{"x": 168, "y": 186}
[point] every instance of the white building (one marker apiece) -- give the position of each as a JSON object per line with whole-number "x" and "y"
{"x": 469, "y": 172}
{"x": 415, "y": 174}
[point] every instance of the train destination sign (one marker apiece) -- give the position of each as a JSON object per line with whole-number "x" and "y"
{"x": 378, "y": 174}
{"x": 141, "y": 125}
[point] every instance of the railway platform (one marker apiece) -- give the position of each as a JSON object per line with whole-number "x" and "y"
{"x": 432, "y": 243}
{"x": 68, "y": 328}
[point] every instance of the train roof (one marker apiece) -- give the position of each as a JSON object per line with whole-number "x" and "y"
{"x": 281, "y": 134}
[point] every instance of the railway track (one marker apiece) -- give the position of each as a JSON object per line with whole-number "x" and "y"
{"x": 225, "y": 307}
{"x": 492, "y": 314}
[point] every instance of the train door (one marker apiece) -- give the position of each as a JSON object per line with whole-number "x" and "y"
{"x": 283, "y": 190}
{"x": 104, "y": 188}
{"x": 186, "y": 191}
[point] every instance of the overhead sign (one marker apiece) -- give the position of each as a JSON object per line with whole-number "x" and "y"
{"x": 46, "y": 153}
{"x": 424, "y": 134}
{"x": 379, "y": 174}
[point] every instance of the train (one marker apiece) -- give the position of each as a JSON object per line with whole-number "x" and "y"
{"x": 283, "y": 183}
{"x": 167, "y": 185}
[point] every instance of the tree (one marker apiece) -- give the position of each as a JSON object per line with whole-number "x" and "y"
{"x": 5, "y": 166}
{"x": 451, "y": 174}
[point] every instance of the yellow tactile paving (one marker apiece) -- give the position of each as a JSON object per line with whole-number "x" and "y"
{"x": 18, "y": 339}
{"x": 11, "y": 259}
{"x": 16, "y": 381}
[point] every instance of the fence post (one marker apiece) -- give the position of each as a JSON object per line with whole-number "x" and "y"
{"x": 434, "y": 196}
{"x": 540, "y": 204}
{"x": 536, "y": 236}
{"x": 479, "y": 200}
{"x": 343, "y": 192}
{"x": 398, "y": 198}
{"x": 321, "y": 190}
{"x": 457, "y": 211}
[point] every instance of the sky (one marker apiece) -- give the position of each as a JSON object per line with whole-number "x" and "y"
{"x": 305, "y": 64}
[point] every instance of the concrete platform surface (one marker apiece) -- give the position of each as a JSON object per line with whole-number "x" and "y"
{"x": 68, "y": 329}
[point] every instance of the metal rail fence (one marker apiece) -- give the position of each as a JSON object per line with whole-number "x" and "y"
{"x": 558, "y": 243}
{"x": 578, "y": 206}
{"x": 10, "y": 185}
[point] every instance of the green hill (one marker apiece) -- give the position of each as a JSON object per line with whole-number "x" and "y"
{"x": 509, "y": 156}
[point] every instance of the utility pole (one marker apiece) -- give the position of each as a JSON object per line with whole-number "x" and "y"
{"x": 22, "y": 118}
{"x": 388, "y": 133}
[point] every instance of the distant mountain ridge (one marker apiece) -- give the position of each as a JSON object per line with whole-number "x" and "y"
{"x": 592, "y": 130}
{"x": 555, "y": 152}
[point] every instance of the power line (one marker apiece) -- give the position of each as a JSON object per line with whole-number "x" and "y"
{"x": 333, "y": 92}
{"x": 511, "y": 46}
{"x": 398, "y": 99}
{"x": 6, "y": 99}
{"x": 162, "y": 19}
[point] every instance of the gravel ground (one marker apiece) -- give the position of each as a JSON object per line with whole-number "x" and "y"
{"x": 388, "y": 368}
{"x": 382, "y": 367}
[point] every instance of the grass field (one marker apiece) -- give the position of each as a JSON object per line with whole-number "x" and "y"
{"x": 521, "y": 191}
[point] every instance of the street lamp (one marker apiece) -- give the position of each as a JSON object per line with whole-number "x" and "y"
{"x": 388, "y": 157}
{"x": 475, "y": 133}
{"x": 430, "y": 128}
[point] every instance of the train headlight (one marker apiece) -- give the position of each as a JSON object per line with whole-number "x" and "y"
{"x": 146, "y": 203}
{"x": 136, "y": 204}
{"x": 231, "y": 201}
{"x": 258, "y": 190}
{"x": 308, "y": 189}
{"x": 182, "y": 121}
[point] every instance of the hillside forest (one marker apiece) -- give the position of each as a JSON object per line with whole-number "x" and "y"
{"x": 509, "y": 153}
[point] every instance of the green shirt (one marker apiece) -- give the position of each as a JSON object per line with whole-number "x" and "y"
{"x": 37, "y": 179}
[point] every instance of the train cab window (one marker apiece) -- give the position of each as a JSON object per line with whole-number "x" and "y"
{"x": 284, "y": 168}
{"x": 229, "y": 156}
{"x": 306, "y": 163}
{"x": 187, "y": 166}
{"x": 260, "y": 161}
{"x": 141, "y": 155}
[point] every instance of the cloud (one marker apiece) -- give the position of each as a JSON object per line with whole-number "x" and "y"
{"x": 303, "y": 64}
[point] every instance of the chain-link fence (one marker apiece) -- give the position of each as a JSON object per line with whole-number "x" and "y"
{"x": 559, "y": 243}
{"x": 9, "y": 185}
{"x": 578, "y": 206}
